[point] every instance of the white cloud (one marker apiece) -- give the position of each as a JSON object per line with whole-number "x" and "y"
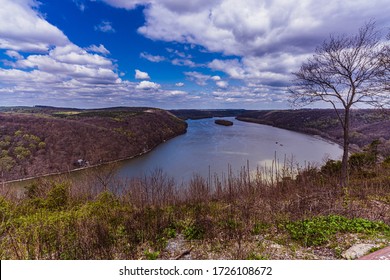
{"x": 22, "y": 28}
{"x": 105, "y": 26}
{"x": 71, "y": 62}
{"x": 268, "y": 69}
{"x": 179, "y": 84}
{"x": 147, "y": 85}
{"x": 222, "y": 84}
{"x": 98, "y": 49}
{"x": 139, "y": 75}
{"x": 14, "y": 54}
{"x": 152, "y": 58}
{"x": 197, "y": 77}
{"x": 176, "y": 92}
{"x": 267, "y": 39}
{"x": 249, "y": 27}
{"x": 127, "y": 4}
{"x": 183, "y": 62}
{"x": 54, "y": 71}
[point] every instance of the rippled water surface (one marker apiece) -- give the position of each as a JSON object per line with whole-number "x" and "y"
{"x": 208, "y": 148}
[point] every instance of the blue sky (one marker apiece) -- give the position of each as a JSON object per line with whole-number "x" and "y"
{"x": 165, "y": 53}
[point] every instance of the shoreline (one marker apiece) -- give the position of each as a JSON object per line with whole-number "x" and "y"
{"x": 10, "y": 182}
{"x": 248, "y": 120}
{"x": 318, "y": 136}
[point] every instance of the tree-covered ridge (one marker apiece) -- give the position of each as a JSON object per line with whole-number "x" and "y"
{"x": 367, "y": 125}
{"x": 43, "y": 140}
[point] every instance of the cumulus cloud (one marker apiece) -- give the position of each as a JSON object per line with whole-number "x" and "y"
{"x": 105, "y": 26}
{"x": 147, "y": 85}
{"x": 266, "y": 40}
{"x": 179, "y": 84}
{"x": 22, "y": 28}
{"x": 255, "y": 43}
{"x": 139, "y": 75}
{"x": 242, "y": 27}
{"x": 47, "y": 68}
{"x": 71, "y": 62}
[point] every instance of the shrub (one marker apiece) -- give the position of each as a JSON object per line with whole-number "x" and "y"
{"x": 331, "y": 168}
{"x": 57, "y": 197}
{"x": 319, "y": 230}
{"x": 358, "y": 161}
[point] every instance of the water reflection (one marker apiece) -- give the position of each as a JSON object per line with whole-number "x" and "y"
{"x": 210, "y": 149}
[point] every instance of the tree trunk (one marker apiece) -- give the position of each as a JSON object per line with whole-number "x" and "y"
{"x": 344, "y": 162}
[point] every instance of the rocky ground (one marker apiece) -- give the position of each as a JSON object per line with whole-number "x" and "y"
{"x": 352, "y": 246}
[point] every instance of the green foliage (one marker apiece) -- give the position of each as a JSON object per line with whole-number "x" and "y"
{"x": 193, "y": 231}
{"x": 31, "y": 138}
{"x": 319, "y": 230}
{"x": 256, "y": 257}
{"x": 41, "y": 145}
{"x": 17, "y": 148}
{"x": 259, "y": 228}
{"x": 41, "y": 235}
{"x": 331, "y": 168}
{"x": 57, "y": 197}
{"x": 18, "y": 133}
{"x": 4, "y": 144}
{"x": 150, "y": 255}
{"x": 387, "y": 160}
{"x": 358, "y": 161}
{"x": 22, "y": 152}
{"x": 6, "y": 163}
{"x": 170, "y": 232}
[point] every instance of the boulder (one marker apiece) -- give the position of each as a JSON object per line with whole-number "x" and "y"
{"x": 357, "y": 251}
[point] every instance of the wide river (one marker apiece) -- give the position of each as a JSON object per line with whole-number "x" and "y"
{"x": 208, "y": 148}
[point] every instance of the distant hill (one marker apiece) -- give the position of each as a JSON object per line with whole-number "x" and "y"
{"x": 207, "y": 113}
{"x": 366, "y": 124}
{"x": 41, "y": 140}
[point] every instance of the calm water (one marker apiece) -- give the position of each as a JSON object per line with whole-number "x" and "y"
{"x": 208, "y": 148}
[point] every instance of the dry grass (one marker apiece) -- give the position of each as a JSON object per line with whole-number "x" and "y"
{"x": 222, "y": 217}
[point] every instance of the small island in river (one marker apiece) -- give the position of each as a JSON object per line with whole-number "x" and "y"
{"x": 224, "y": 122}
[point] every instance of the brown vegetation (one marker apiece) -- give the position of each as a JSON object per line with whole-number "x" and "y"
{"x": 40, "y": 141}
{"x": 235, "y": 217}
{"x": 366, "y": 125}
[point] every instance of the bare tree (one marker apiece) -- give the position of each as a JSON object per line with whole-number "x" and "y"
{"x": 344, "y": 71}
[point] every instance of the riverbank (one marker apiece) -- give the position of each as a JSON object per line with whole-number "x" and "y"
{"x": 366, "y": 126}
{"x": 41, "y": 141}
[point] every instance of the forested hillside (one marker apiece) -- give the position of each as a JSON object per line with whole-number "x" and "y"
{"x": 367, "y": 125}
{"x": 42, "y": 140}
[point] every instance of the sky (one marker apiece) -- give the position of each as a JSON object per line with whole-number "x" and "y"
{"x": 168, "y": 54}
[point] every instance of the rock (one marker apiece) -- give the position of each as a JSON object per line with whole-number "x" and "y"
{"x": 178, "y": 246}
{"x": 357, "y": 251}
